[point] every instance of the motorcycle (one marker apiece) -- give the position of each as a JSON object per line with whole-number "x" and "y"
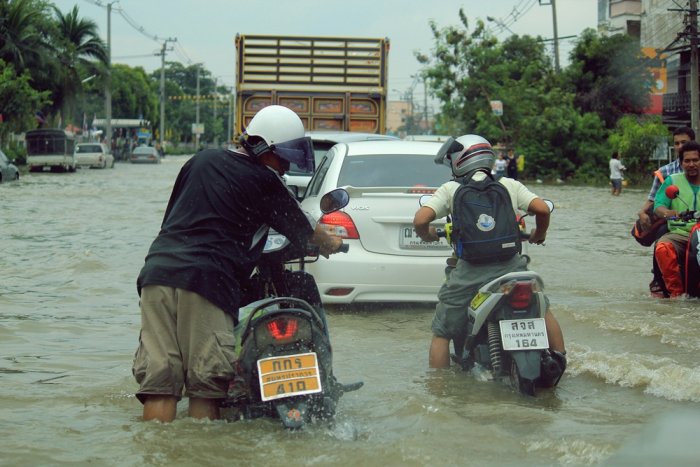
{"x": 506, "y": 327}
{"x": 690, "y": 267}
{"x": 284, "y": 365}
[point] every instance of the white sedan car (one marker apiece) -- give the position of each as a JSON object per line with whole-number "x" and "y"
{"x": 93, "y": 155}
{"x": 387, "y": 261}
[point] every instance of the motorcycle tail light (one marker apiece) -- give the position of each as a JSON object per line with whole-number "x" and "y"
{"x": 282, "y": 330}
{"x": 341, "y": 224}
{"x": 519, "y": 293}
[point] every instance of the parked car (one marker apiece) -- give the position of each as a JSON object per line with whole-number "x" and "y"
{"x": 145, "y": 154}
{"x": 93, "y": 155}
{"x": 8, "y": 170}
{"x": 322, "y": 142}
{"x": 387, "y": 261}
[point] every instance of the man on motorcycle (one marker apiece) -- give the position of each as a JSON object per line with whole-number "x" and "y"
{"x": 473, "y": 156}
{"x": 646, "y": 216}
{"x": 672, "y": 246}
{"x": 211, "y": 238}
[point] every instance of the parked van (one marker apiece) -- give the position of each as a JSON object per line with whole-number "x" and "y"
{"x": 50, "y": 150}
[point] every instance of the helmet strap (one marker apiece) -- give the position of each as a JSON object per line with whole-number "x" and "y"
{"x": 256, "y": 149}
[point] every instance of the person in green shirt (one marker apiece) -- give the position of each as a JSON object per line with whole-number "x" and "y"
{"x": 671, "y": 247}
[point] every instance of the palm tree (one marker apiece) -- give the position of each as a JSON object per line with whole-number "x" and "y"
{"x": 81, "y": 52}
{"x": 22, "y": 42}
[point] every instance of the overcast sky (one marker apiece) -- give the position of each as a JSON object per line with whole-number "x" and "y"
{"x": 205, "y": 29}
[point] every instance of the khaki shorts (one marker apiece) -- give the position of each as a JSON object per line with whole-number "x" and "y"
{"x": 185, "y": 341}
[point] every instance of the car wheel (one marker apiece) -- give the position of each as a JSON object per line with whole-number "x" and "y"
{"x": 17, "y": 176}
{"x": 104, "y": 165}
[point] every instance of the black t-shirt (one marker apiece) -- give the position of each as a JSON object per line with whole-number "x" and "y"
{"x": 213, "y": 231}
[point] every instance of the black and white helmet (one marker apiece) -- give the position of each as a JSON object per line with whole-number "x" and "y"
{"x": 466, "y": 154}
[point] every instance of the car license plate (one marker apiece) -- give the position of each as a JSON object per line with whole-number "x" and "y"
{"x": 287, "y": 376}
{"x": 409, "y": 240}
{"x": 524, "y": 334}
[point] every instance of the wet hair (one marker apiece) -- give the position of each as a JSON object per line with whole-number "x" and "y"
{"x": 689, "y": 146}
{"x": 684, "y": 130}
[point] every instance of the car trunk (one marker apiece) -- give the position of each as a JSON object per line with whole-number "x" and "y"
{"x": 383, "y": 217}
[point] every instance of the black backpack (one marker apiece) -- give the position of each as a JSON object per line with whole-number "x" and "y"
{"x": 484, "y": 225}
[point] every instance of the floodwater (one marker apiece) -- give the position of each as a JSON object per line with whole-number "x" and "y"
{"x": 71, "y": 246}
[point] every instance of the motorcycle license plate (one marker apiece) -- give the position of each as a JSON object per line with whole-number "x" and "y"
{"x": 524, "y": 334}
{"x": 289, "y": 375}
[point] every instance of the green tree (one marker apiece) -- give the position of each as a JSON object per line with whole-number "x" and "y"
{"x": 18, "y": 101}
{"x": 636, "y": 139}
{"x": 81, "y": 53}
{"x": 134, "y": 95}
{"x": 468, "y": 69}
{"x": 609, "y": 76}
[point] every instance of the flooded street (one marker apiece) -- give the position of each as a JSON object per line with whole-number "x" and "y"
{"x": 71, "y": 247}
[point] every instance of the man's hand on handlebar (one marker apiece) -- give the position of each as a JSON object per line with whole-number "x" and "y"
{"x": 327, "y": 242}
{"x": 537, "y": 237}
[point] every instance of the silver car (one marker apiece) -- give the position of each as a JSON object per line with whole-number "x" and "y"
{"x": 387, "y": 261}
{"x": 145, "y": 154}
{"x": 8, "y": 170}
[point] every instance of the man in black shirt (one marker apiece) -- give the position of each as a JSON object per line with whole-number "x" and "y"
{"x": 212, "y": 236}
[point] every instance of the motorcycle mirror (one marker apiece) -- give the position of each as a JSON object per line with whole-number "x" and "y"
{"x": 423, "y": 199}
{"x": 334, "y": 200}
{"x": 672, "y": 192}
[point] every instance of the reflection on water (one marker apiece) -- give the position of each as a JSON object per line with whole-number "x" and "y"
{"x": 71, "y": 247}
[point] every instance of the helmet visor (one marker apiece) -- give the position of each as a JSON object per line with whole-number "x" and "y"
{"x": 448, "y": 148}
{"x": 298, "y": 151}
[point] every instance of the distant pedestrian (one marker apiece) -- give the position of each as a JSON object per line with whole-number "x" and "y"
{"x": 500, "y": 166}
{"x": 512, "y": 166}
{"x": 616, "y": 169}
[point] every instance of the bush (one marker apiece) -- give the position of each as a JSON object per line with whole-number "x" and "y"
{"x": 16, "y": 152}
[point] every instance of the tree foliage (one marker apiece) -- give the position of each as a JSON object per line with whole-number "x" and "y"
{"x": 470, "y": 68}
{"x": 609, "y": 76}
{"x": 18, "y": 101}
{"x": 637, "y": 139}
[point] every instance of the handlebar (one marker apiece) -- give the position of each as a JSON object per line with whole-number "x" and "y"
{"x": 441, "y": 233}
{"x": 344, "y": 248}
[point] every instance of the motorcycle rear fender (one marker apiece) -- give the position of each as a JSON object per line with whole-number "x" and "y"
{"x": 491, "y": 308}
{"x": 528, "y": 362}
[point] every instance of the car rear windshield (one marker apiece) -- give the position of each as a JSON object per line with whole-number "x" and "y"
{"x": 143, "y": 150}
{"x": 393, "y": 170}
{"x": 89, "y": 148}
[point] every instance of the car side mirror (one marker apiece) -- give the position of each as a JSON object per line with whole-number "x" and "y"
{"x": 334, "y": 200}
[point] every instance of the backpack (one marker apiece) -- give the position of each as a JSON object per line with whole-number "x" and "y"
{"x": 484, "y": 225}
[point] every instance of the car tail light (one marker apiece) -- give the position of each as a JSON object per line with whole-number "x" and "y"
{"x": 339, "y": 291}
{"x": 519, "y": 293}
{"x": 340, "y": 224}
{"x": 282, "y": 330}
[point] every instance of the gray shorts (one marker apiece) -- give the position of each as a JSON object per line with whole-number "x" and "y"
{"x": 185, "y": 341}
{"x": 450, "y": 319}
{"x": 616, "y": 183}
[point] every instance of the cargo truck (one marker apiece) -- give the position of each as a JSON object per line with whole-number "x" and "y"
{"x": 332, "y": 83}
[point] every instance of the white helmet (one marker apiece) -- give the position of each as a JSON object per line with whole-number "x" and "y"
{"x": 278, "y": 129}
{"x": 466, "y": 154}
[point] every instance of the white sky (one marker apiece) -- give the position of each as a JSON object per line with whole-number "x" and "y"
{"x": 205, "y": 29}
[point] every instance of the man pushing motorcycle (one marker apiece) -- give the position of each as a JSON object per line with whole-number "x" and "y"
{"x": 212, "y": 236}
{"x": 670, "y": 250}
{"x": 471, "y": 158}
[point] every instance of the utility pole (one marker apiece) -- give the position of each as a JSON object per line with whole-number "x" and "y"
{"x": 694, "y": 96}
{"x": 230, "y": 116}
{"x": 108, "y": 84}
{"x": 216, "y": 98}
{"x": 161, "y": 136}
{"x": 196, "y": 135}
{"x": 556, "y": 35}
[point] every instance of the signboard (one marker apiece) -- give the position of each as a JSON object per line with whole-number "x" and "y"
{"x": 497, "y": 108}
{"x": 198, "y": 129}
